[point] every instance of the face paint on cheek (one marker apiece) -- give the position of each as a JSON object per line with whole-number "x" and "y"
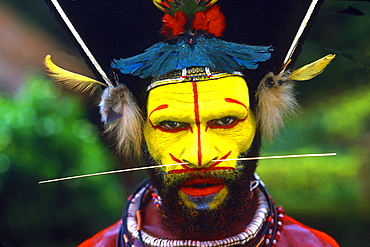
{"x": 163, "y": 106}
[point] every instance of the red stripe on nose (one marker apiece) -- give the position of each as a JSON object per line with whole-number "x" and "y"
{"x": 197, "y": 121}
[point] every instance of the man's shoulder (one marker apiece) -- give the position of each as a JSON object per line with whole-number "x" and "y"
{"x": 104, "y": 238}
{"x": 295, "y": 233}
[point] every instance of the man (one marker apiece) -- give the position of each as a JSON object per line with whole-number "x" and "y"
{"x": 202, "y": 120}
{"x": 204, "y": 199}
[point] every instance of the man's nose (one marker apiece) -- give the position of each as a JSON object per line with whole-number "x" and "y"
{"x": 201, "y": 150}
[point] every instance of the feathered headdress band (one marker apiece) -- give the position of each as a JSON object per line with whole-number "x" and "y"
{"x": 189, "y": 75}
{"x": 213, "y": 53}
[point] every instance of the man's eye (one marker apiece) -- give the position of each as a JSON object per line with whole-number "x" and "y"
{"x": 225, "y": 121}
{"x": 172, "y": 125}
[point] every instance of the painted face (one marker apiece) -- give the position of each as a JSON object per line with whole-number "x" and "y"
{"x": 198, "y": 123}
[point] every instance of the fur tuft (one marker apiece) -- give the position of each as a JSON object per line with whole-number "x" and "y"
{"x": 127, "y": 129}
{"x": 276, "y": 97}
{"x": 118, "y": 108}
{"x": 276, "y": 100}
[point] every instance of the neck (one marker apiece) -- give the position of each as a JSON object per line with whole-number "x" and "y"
{"x": 227, "y": 220}
{"x": 151, "y": 233}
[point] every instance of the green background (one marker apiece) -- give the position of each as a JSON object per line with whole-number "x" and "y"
{"x": 46, "y": 132}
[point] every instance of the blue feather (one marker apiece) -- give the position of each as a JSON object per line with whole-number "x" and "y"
{"x": 213, "y": 53}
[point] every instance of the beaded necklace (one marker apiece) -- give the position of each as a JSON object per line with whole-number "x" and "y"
{"x": 267, "y": 220}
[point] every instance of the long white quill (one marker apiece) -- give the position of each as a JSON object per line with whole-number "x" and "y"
{"x": 300, "y": 31}
{"x": 152, "y": 167}
{"x": 81, "y": 42}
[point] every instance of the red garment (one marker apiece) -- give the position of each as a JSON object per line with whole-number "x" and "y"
{"x": 293, "y": 234}
{"x": 105, "y": 238}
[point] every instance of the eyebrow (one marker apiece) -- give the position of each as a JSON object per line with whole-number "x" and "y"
{"x": 230, "y": 100}
{"x": 161, "y": 107}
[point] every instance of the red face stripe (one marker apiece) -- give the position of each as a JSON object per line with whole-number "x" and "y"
{"x": 188, "y": 127}
{"x": 218, "y": 162}
{"x": 179, "y": 161}
{"x": 188, "y": 169}
{"x": 213, "y": 167}
{"x": 230, "y": 100}
{"x": 175, "y": 159}
{"x": 197, "y": 121}
{"x": 161, "y": 107}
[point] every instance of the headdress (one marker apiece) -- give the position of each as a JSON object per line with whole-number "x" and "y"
{"x": 113, "y": 35}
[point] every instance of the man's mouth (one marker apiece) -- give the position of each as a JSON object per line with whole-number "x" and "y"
{"x": 202, "y": 186}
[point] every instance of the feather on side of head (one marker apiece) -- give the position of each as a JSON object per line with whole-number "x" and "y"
{"x": 70, "y": 79}
{"x": 118, "y": 108}
{"x": 124, "y": 120}
{"x": 276, "y": 96}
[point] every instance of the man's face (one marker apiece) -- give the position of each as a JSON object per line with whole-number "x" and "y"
{"x": 198, "y": 123}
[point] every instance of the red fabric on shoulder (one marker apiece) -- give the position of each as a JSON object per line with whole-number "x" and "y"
{"x": 295, "y": 233}
{"x": 105, "y": 238}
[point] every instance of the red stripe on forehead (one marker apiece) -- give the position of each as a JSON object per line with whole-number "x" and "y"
{"x": 197, "y": 121}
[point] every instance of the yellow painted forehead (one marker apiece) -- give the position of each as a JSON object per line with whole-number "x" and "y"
{"x": 228, "y": 87}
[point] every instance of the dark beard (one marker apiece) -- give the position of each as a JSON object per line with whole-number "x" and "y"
{"x": 229, "y": 219}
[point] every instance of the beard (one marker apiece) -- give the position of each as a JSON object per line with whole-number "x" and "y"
{"x": 229, "y": 218}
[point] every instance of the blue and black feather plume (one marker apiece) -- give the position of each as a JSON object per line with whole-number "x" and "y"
{"x": 213, "y": 53}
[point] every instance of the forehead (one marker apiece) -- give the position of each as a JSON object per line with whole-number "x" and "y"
{"x": 206, "y": 92}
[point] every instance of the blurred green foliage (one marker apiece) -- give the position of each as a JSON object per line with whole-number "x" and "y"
{"x": 45, "y": 134}
{"x": 328, "y": 193}
{"x": 331, "y": 194}
{"x": 348, "y": 37}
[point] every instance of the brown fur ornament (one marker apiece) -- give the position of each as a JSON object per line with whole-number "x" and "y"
{"x": 276, "y": 100}
{"x": 118, "y": 108}
{"x": 276, "y": 97}
{"x": 123, "y": 118}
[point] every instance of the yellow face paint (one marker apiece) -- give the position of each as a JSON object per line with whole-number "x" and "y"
{"x": 196, "y": 123}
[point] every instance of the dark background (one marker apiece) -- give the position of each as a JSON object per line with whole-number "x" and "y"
{"x": 47, "y": 132}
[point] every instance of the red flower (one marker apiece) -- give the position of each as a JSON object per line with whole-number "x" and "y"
{"x": 173, "y": 25}
{"x": 211, "y": 21}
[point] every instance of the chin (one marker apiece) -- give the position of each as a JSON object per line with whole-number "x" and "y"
{"x": 198, "y": 205}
